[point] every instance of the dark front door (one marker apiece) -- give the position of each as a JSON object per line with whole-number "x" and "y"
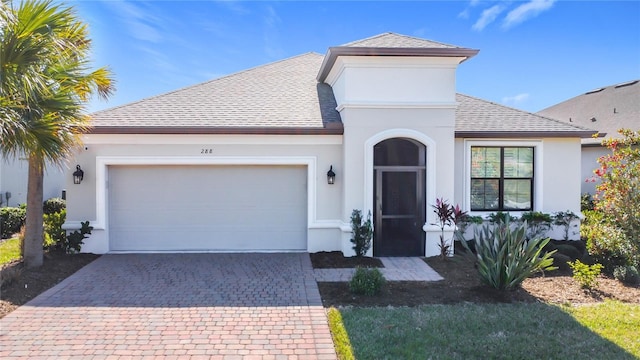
{"x": 399, "y": 207}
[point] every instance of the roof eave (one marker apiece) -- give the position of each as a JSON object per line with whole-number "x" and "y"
{"x": 524, "y": 134}
{"x": 329, "y": 129}
{"x": 334, "y": 52}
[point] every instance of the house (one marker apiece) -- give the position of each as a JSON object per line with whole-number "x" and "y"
{"x": 243, "y": 162}
{"x": 13, "y": 181}
{"x": 605, "y": 109}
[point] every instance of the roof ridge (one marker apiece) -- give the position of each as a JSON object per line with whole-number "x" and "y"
{"x": 193, "y": 86}
{"x": 397, "y": 34}
{"x": 527, "y": 112}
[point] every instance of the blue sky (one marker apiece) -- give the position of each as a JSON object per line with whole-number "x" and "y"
{"x": 533, "y": 53}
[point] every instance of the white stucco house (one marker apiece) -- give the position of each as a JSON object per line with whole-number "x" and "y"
{"x": 13, "y": 180}
{"x": 240, "y": 163}
{"x": 606, "y": 109}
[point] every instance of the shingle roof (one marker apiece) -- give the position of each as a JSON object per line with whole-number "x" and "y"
{"x": 606, "y": 109}
{"x": 477, "y": 117}
{"x": 393, "y": 40}
{"x": 277, "y": 96}
{"x": 284, "y": 97}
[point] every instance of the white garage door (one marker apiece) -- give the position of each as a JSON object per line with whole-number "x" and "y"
{"x": 207, "y": 208}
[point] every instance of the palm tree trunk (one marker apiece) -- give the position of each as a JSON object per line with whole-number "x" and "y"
{"x": 34, "y": 229}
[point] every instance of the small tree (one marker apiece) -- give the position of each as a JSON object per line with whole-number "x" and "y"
{"x": 362, "y": 233}
{"x": 618, "y": 194}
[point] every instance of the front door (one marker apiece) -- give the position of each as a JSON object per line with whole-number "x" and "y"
{"x": 399, "y": 198}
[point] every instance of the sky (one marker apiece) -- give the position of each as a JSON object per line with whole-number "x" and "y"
{"x": 533, "y": 53}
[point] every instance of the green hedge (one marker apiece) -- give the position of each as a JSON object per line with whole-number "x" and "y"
{"x": 11, "y": 220}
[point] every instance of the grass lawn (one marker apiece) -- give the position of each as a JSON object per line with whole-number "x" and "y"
{"x": 9, "y": 250}
{"x": 494, "y": 331}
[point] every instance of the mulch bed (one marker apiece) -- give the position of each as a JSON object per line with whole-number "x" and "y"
{"x": 462, "y": 284}
{"x": 22, "y": 284}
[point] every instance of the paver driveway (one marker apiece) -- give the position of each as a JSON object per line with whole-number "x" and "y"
{"x": 226, "y": 306}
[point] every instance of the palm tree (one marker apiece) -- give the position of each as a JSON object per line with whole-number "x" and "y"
{"x": 45, "y": 82}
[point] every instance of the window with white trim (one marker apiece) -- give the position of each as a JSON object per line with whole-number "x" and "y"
{"x": 502, "y": 178}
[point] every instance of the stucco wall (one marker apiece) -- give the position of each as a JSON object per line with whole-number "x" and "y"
{"x": 386, "y": 97}
{"x": 85, "y": 201}
{"x": 14, "y": 175}
{"x": 558, "y": 175}
{"x": 387, "y": 79}
{"x": 590, "y": 155}
{"x": 366, "y": 127}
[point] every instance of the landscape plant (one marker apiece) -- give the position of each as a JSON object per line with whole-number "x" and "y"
{"x": 605, "y": 241}
{"x": 618, "y": 200}
{"x": 501, "y": 217}
{"x": 448, "y": 216}
{"x": 627, "y": 274}
{"x": 538, "y": 223}
{"x": 565, "y": 219}
{"x": 46, "y": 81}
{"x": 466, "y": 221}
{"x": 505, "y": 258}
{"x": 11, "y": 220}
{"x": 586, "y": 275}
{"x": 54, "y": 205}
{"x": 361, "y": 232}
{"x": 53, "y": 227}
{"x": 366, "y": 281}
{"x": 74, "y": 240}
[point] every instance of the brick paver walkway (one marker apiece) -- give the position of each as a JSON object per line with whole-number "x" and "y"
{"x": 395, "y": 269}
{"x": 214, "y": 306}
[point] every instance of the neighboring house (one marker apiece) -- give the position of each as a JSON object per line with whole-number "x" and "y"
{"x": 13, "y": 180}
{"x": 607, "y": 110}
{"x": 241, "y": 163}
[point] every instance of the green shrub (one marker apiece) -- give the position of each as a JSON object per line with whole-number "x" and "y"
{"x": 586, "y": 275}
{"x": 538, "y": 223}
{"x": 54, "y": 205}
{"x": 366, "y": 281}
{"x": 627, "y": 275}
{"x": 607, "y": 243}
{"x": 565, "y": 219}
{"x": 53, "y": 227}
{"x": 505, "y": 258}
{"x": 618, "y": 196}
{"x": 586, "y": 202}
{"x": 362, "y": 233}
{"x": 500, "y": 217}
{"x": 569, "y": 250}
{"x": 74, "y": 241}
{"x": 11, "y": 220}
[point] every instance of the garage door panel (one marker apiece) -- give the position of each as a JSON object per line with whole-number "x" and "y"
{"x": 212, "y": 208}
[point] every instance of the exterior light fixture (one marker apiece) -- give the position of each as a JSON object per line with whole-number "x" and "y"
{"x": 331, "y": 176}
{"x": 78, "y": 175}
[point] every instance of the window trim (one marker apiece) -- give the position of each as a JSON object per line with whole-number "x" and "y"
{"x": 537, "y": 182}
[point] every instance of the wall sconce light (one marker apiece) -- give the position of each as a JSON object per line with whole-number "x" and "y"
{"x": 78, "y": 175}
{"x": 331, "y": 176}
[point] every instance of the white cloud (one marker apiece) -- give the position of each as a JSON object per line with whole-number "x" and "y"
{"x": 141, "y": 22}
{"x": 526, "y": 11}
{"x": 488, "y": 16}
{"x": 464, "y": 14}
{"x": 271, "y": 34}
{"x": 516, "y": 99}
